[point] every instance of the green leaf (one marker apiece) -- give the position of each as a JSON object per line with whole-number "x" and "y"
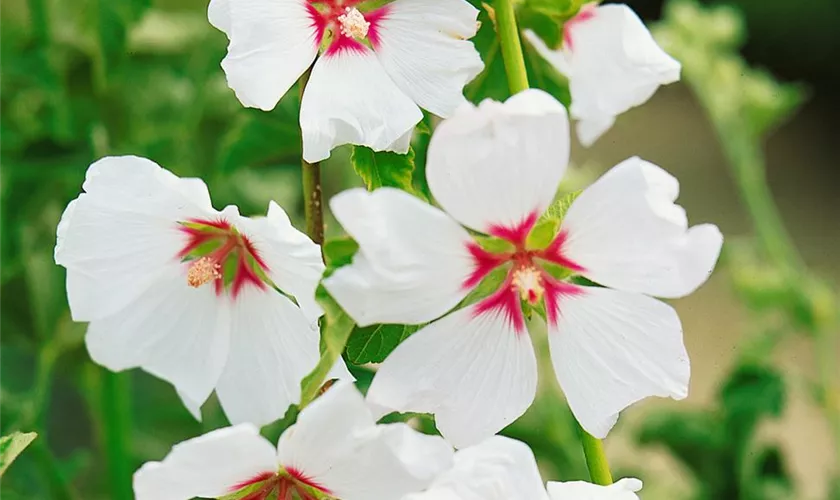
{"x": 372, "y": 344}
{"x": 558, "y": 209}
{"x": 378, "y": 169}
{"x": 750, "y": 393}
{"x": 336, "y": 327}
{"x": 12, "y": 445}
{"x": 340, "y": 251}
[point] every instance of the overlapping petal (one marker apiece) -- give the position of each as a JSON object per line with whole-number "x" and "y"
{"x": 612, "y": 348}
{"x": 473, "y": 371}
{"x": 627, "y": 233}
{"x": 496, "y": 164}
{"x": 623, "y": 489}
{"x": 207, "y": 466}
{"x": 423, "y": 46}
{"x": 412, "y": 260}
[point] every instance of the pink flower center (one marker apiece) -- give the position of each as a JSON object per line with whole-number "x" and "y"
{"x": 215, "y": 252}
{"x": 346, "y": 27}
{"x": 288, "y": 484}
{"x": 526, "y": 280}
{"x": 586, "y": 13}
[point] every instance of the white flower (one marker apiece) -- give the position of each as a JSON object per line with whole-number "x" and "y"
{"x": 498, "y": 468}
{"x": 612, "y": 63}
{"x": 623, "y": 489}
{"x": 495, "y": 169}
{"x": 334, "y": 449}
{"x": 185, "y": 292}
{"x": 376, "y": 68}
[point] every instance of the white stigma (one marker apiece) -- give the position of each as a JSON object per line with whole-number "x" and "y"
{"x": 529, "y": 283}
{"x": 203, "y": 271}
{"x": 353, "y": 23}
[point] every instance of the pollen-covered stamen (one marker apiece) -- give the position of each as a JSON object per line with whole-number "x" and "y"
{"x": 203, "y": 271}
{"x": 353, "y": 23}
{"x": 528, "y": 281}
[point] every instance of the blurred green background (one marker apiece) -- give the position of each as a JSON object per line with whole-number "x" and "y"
{"x": 86, "y": 78}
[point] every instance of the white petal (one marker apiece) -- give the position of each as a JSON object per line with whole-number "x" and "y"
{"x": 591, "y": 128}
{"x": 336, "y": 444}
{"x": 194, "y": 407}
{"x": 116, "y": 238}
{"x": 498, "y": 468}
{"x": 210, "y": 465}
{"x": 424, "y": 456}
{"x": 349, "y": 99}
{"x": 271, "y": 45}
{"x": 627, "y": 233}
{"x": 623, "y": 489}
{"x": 614, "y": 64}
{"x": 272, "y": 347}
{"x": 424, "y": 47}
{"x": 496, "y": 164}
{"x": 294, "y": 261}
{"x": 172, "y": 331}
{"x": 611, "y": 348}
{"x": 412, "y": 261}
{"x": 476, "y": 374}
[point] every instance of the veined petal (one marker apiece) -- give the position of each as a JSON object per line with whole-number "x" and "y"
{"x": 294, "y": 262}
{"x": 474, "y": 372}
{"x": 116, "y": 238}
{"x": 349, "y": 99}
{"x": 495, "y": 164}
{"x": 271, "y": 45}
{"x": 172, "y": 331}
{"x": 627, "y": 233}
{"x": 611, "y": 349}
{"x": 623, "y": 489}
{"x": 272, "y": 347}
{"x": 498, "y": 468}
{"x": 424, "y": 47}
{"x": 412, "y": 261}
{"x": 211, "y": 465}
{"x": 613, "y": 64}
{"x": 423, "y": 456}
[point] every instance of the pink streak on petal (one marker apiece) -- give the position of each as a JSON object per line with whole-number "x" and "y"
{"x": 217, "y": 223}
{"x": 483, "y": 263}
{"x": 303, "y": 478}
{"x": 554, "y": 253}
{"x": 586, "y": 12}
{"x": 504, "y": 301}
{"x": 344, "y": 44}
{"x": 319, "y": 22}
{"x": 516, "y": 234}
{"x": 374, "y": 18}
{"x": 252, "y": 250}
{"x": 196, "y": 239}
{"x": 554, "y": 291}
{"x": 262, "y": 476}
{"x": 244, "y": 275}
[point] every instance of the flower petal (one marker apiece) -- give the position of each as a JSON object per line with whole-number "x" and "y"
{"x": 116, "y": 238}
{"x": 336, "y": 445}
{"x": 349, "y": 99}
{"x": 611, "y": 349}
{"x": 412, "y": 260}
{"x": 271, "y": 45}
{"x": 495, "y": 164}
{"x": 172, "y": 331}
{"x": 294, "y": 261}
{"x": 475, "y": 373}
{"x": 424, "y": 47}
{"x": 623, "y": 489}
{"x": 272, "y": 347}
{"x": 612, "y": 63}
{"x": 498, "y": 468}
{"x": 627, "y": 233}
{"x": 211, "y": 465}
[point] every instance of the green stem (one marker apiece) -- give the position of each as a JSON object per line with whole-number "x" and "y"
{"x": 115, "y": 411}
{"x": 313, "y": 207}
{"x": 596, "y": 459}
{"x": 511, "y": 46}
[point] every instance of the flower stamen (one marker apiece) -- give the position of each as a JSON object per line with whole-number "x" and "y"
{"x": 353, "y": 23}
{"x": 528, "y": 281}
{"x": 203, "y": 271}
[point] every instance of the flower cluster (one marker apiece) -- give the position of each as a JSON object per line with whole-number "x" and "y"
{"x": 210, "y": 300}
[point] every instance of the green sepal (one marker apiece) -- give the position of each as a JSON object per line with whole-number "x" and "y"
{"x": 12, "y": 445}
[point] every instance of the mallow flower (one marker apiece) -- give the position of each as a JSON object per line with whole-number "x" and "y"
{"x": 375, "y": 68}
{"x": 495, "y": 169}
{"x": 189, "y": 293}
{"x": 612, "y": 63}
{"x": 335, "y": 450}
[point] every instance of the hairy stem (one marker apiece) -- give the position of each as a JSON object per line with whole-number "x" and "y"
{"x": 511, "y": 46}
{"x": 596, "y": 459}
{"x": 313, "y": 207}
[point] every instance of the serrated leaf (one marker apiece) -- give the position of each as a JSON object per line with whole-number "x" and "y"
{"x": 558, "y": 209}
{"x": 383, "y": 169}
{"x": 12, "y": 445}
{"x": 372, "y": 344}
{"x": 336, "y": 326}
{"x": 340, "y": 251}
